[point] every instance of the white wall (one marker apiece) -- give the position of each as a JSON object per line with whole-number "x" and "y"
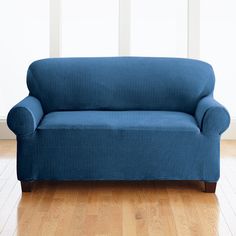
{"x": 218, "y": 47}
{"x": 24, "y": 31}
{"x": 89, "y": 28}
{"x": 159, "y": 28}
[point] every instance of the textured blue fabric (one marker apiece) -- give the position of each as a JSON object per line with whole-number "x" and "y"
{"x": 24, "y": 117}
{"x": 211, "y": 116}
{"x": 117, "y": 154}
{"x": 119, "y": 119}
{"x": 120, "y": 83}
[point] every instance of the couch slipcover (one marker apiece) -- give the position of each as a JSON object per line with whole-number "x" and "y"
{"x": 121, "y": 118}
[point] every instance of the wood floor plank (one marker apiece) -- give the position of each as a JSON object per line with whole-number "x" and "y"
{"x": 226, "y": 209}
{"x": 7, "y": 187}
{"x": 9, "y": 170}
{"x": 3, "y": 165}
{"x": 167, "y": 224}
{"x": 11, "y": 223}
{"x": 9, "y": 206}
{"x": 128, "y": 214}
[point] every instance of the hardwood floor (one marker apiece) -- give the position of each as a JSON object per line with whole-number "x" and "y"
{"x": 108, "y": 208}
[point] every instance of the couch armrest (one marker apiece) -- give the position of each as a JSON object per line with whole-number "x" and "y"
{"x": 211, "y": 116}
{"x": 25, "y": 116}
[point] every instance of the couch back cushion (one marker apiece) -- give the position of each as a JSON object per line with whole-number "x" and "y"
{"x": 120, "y": 83}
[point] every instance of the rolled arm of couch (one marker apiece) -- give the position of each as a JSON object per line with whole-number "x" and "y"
{"x": 25, "y": 116}
{"x": 211, "y": 116}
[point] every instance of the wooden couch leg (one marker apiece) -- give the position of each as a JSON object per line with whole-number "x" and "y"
{"x": 210, "y": 187}
{"x": 26, "y": 186}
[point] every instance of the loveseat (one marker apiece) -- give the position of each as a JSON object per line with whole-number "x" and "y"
{"x": 119, "y": 118}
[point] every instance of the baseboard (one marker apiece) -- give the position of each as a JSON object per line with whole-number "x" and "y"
{"x": 230, "y": 133}
{"x": 5, "y": 133}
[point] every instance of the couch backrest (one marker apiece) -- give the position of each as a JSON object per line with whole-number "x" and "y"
{"x": 120, "y": 83}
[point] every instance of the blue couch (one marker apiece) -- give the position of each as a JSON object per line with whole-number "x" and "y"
{"x": 119, "y": 118}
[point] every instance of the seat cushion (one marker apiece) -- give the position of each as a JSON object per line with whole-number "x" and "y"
{"x": 118, "y": 145}
{"x": 121, "y": 120}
